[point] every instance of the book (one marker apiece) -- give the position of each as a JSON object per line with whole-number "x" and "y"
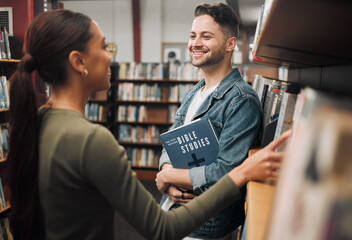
{"x": 5, "y": 37}
{"x": 192, "y": 145}
{"x": 314, "y": 191}
{"x": 285, "y": 120}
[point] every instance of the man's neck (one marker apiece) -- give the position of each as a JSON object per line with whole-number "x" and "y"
{"x": 214, "y": 74}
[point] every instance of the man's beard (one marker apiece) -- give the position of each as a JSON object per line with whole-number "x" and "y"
{"x": 216, "y": 57}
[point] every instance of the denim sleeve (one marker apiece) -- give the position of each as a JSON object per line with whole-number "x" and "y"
{"x": 241, "y": 126}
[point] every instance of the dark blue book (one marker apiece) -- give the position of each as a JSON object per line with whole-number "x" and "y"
{"x": 192, "y": 145}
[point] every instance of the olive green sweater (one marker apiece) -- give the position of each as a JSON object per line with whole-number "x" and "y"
{"x": 84, "y": 176}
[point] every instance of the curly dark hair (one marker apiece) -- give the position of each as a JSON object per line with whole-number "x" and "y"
{"x": 222, "y": 14}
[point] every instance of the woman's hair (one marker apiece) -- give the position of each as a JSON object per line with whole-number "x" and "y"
{"x": 222, "y": 14}
{"x": 49, "y": 40}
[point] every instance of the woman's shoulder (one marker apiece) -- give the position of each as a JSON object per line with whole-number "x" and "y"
{"x": 71, "y": 123}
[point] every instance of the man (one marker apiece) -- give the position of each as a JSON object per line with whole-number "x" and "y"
{"x": 230, "y": 103}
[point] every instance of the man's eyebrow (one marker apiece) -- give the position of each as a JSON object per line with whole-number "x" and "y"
{"x": 202, "y": 33}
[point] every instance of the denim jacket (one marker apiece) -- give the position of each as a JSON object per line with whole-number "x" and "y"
{"x": 235, "y": 111}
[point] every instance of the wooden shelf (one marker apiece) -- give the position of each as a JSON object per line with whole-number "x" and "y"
{"x": 145, "y": 174}
{"x": 140, "y": 144}
{"x": 9, "y": 60}
{"x": 99, "y": 121}
{"x": 151, "y": 81}
{"x": 259, "y": 201}
{"x": 147, "y": 102}
{"x": 4, "y": 109}
{"x": 98, "y": 100}
{"x": 151, "y": 168}
{"x": 306, "y": 33}
{"x": 145, "y": 123}
{"x": 5, "y": 209}
{"x": 8, "y": 67}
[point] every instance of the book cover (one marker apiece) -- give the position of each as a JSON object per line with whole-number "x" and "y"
{"x": 285, "y": 120}
{"x": 191, "y": 145}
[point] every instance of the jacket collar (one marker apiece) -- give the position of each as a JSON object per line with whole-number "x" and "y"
{"x": 225, "y": 85}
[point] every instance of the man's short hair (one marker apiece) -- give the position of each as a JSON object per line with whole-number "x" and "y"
{"x": 222, "y": 14}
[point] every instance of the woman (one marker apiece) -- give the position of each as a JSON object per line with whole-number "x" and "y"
{"x": 67, "y": 175}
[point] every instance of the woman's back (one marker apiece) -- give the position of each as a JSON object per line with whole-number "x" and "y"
{"x": 66, "y": 191}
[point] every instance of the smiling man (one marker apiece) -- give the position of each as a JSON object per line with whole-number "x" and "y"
{"x": 230, "y": 103}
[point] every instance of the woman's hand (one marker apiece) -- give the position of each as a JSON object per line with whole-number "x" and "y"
{"x": 263, "y": 164}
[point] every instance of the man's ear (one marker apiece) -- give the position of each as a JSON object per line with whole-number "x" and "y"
{"x": 76, "y": 61}
{"x": 231, "y": 44}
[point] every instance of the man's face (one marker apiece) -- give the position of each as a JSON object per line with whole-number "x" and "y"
{"x": 207, "y": 43}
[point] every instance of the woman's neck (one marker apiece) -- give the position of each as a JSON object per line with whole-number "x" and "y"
{"x": 66, "y": 103}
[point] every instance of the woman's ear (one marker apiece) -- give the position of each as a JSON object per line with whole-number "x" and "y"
{"x": 76, "y": 61}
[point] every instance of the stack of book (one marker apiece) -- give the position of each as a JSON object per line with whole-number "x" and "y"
{"x": 5, "y": 52}
{"x": 5, "y": 232}
{"x": 313, "y": 198}
{"x": 96, "y": 112}
{"x": 4, "y": 139}
{"x": 4, "y": 93}
{"x": 159, "y": 71}
{"x": 278, "y": 100}
{"x": 142, "y": 157}
{"x": 139, "y": 134}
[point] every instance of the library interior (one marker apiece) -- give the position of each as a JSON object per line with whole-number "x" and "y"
{"x": 296, "y": 56}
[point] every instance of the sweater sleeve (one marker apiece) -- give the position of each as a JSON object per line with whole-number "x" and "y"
{"x": 105, "y": 166}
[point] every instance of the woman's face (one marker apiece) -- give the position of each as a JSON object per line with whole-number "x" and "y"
{"x": 97, "y": 60}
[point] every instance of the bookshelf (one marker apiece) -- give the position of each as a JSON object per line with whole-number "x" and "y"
{"x": 141, "y": 119}
{"x": 7, "y": 67}
{"x": 245, "y": 63}
{"x": 310, "y": 40}
{"x": 138, "y": 107}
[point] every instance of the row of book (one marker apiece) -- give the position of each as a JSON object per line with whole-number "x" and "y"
{"x": 142, "y": 113}
{"x": 96, "y": 112}
{"x": 4, "y": 139}
{"x": 141, "y": 92}
{"x": 178, "y": 92}
{"x": 274, "y": 96}
{"x": 4, "y": 93}
{"x": 139, "y": 134}
{"x": 5, "y": 52}
{"x": 5, "y": 232}
{"x": 132, "y": 113}
{"x": 151, "y": 92}
{"x": 134, "y": 70}
{"x": 313, "y": 197}
{"x": 143, "y": 157}
{"x": 2, "y": 196}
{"x": 184, "y": 71}
{"x": 158, "y": 71}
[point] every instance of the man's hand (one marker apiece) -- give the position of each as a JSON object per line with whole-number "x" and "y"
{"x": 160, "y": 179}
{"x": 172, "y": 176}
{"x": 179, "y": 195}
